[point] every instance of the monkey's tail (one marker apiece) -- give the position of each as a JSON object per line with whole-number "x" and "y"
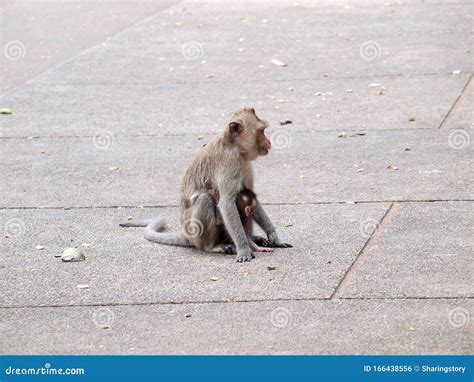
{"x": 152, "y": 232}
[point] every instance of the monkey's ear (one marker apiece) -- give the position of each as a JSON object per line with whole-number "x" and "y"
{"x": 236, "y": 127}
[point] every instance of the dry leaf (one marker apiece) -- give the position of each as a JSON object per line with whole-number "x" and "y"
{"x": 341, "y": 135}
{"x": 271, "y": 268}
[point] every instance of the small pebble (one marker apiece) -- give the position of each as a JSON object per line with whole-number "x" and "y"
{"x": 278, "y": 62}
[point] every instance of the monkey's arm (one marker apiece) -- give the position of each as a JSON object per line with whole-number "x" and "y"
{"x": 234, "y": 227}
{"x": 262, "y": 219}
{"x": 230, "y": 214}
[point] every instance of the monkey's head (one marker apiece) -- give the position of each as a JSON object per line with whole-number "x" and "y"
{"x": 247, "y": 131}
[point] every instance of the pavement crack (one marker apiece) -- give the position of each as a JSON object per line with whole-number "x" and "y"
{"x": 457, "y": 103}
{"x": 364, "y": 252}
{"x": 236, "y": 301}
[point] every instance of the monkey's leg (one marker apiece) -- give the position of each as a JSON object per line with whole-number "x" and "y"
{"x": 203, "y": 229}
{"x": 262, "y": 219}
{"x": 248, "y": 227}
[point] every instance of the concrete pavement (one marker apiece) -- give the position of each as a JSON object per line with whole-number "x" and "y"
{"x": 372, "y": 181}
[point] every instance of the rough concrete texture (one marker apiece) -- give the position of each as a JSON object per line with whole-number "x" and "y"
{"x": 312, "y": 166}
{"x": 124, "y": 268}
{"x": 266, "y": 327}
{"x": 372, "y": 181}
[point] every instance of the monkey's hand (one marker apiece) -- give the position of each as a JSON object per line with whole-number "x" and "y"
{"x": 274, "y": 241}
{"x": 244, "y": 256}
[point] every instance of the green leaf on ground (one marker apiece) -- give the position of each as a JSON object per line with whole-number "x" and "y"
{"x": 73, "y": 254}
{"x": 5, "y": 110}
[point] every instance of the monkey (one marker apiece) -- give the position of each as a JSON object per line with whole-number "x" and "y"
{"x": 211, "y": 195}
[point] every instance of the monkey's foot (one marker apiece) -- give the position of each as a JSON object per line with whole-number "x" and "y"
{"x": 244, "y": 257}
{"x": 263, "y": 249}
{"x": 281, "y": 245}
{"x": 269, "y": 243}
{"x": 227, "y": 249}
{"x": 256, "y": 248}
